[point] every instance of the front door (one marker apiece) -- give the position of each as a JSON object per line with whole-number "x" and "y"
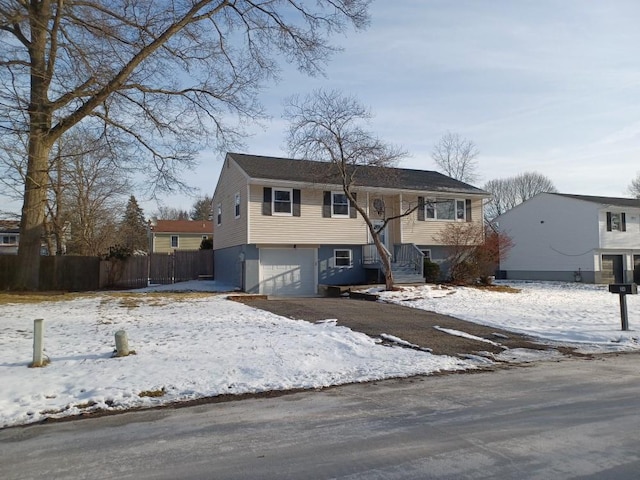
{"x": 612, "y": 271}
{"x": 384, "y": 233}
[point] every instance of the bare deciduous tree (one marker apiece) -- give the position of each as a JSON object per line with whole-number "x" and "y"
{"x": 170, "y": 76}
{"x": 634, "y": 187}
{"x": 170, "y": 213}
{"x": 506, "y": 193}
{"x": 457, "y": 157}
{"x": 87, "y": 188}
{"x": 475, "y": 251}
{"x": 330, "y": 127}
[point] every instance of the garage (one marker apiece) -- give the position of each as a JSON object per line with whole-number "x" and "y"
{"x": 288, "y": 271}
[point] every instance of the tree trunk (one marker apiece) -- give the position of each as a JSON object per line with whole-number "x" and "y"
{"x": 33, "y": 208}
{"x": 37, "y": 175}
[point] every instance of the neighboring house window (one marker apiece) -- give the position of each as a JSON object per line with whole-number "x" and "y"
{"x": 282, "y": 201}
{"x": 616, "y": 222}
{"x": 9, "y": 239}
{"x": 339, "y": 205}
{"x": 342, "y": 258}
{"x": 236, "y": 203}
{"x": 174, "y": 241}
{"x": 446, "y": 209}
{"x": 427, "y": 254}
{"x": 219, "y": 214}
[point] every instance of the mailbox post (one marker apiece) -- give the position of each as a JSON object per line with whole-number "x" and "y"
{"x": 624, "y": 289}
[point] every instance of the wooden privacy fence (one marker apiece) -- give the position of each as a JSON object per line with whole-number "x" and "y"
{"x": 74, "y": 274}
{"x": 180, "y": 266}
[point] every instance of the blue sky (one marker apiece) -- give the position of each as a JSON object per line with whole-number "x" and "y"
{"x": 546, "y": 86}
{"x": 538, "y": 85}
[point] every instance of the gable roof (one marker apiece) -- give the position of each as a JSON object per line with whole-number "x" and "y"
{"x": 182, "y": 226}
{"x": 617, "y": 201}
{"x": 10, "y": 226}
{"x": 310, "y": 171}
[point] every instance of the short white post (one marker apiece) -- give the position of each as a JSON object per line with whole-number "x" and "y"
{"x": 38, "y": 343}
{"x": 122, "y": 344}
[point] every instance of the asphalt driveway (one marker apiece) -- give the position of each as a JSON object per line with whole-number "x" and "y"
{"x": 409, "y": 324}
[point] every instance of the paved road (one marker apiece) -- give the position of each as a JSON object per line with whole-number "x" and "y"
{"x": 573, "y": 419}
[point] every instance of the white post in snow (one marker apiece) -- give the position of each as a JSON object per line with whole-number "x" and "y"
{"x": 38, "y": 340}
{"x": 122, "y": 344}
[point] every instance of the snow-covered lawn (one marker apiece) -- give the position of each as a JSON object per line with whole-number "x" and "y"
{"x": 587, "y": 315}
{"x": 198, "y": 344}
{"x": 188, "y": 346}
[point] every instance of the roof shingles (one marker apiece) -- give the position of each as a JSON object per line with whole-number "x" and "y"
{"x": 309, "y": 171}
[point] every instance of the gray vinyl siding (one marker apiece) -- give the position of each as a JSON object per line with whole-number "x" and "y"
{"x": 329, "y": 274}
{"x": 237, "y": 266}
{"x": 551, "y": 275}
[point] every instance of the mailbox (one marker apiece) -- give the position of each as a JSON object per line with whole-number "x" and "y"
{"x": 624, "y": 288}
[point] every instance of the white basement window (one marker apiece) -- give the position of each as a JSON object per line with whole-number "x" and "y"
{"x": 343, "y": 258}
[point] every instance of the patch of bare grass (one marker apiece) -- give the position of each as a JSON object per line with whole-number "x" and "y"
{"x": 127, "y": 299}
{"x": 153, "y": 393}
{"x": 497, "y": 288}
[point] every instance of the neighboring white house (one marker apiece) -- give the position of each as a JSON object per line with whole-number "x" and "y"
{"x": 573, "y": 238}
{"x": 9, "y": 237}
{"x": 285, "y": 226}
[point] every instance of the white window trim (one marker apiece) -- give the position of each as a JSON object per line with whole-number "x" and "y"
{"x": 434, "y": 201}
{"x": 219, "y": 214}
{"x": 236, "y": 204}
{"x": 177, "y": 237}
{"x": 273, "y": 202}
{"x": 340, "y": 215}
{"x": 335, "y": 263}
{"x": 427, "y": 253}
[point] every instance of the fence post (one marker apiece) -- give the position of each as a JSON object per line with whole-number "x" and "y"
{"x": 122, "y": 344}
{"x": 38, "y": 343}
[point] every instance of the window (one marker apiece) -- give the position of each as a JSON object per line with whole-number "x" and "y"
{"x": 427, "y": 254}
{"x": 174, "y": 241}
{"x": 445, "y": 209}
{"x": 236, "y": 203}
{"x": 339, "y": 205}
{"x": 342, "y": 258}
{"x": 219, "y": 214}
{"x": 282, "y": 201}
{"x": 204, "y": 237}
{"x": 9, "y": 239}
{"x": 616, "y": 222}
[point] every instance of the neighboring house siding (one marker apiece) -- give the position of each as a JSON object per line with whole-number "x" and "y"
{"x": 616, "y": 238}
{"x": 186, "y": 241}
{"x": 232, "y": 231}
{"x": 550, "y": 234}
{"x": 309, "y": 228}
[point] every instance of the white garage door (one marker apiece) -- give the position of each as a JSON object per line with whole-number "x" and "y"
{"x": 288, "y": 271}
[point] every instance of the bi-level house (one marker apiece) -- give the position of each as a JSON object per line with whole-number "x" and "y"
{"x": 573, "y": 238}
{"x": 285, "y": 227}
